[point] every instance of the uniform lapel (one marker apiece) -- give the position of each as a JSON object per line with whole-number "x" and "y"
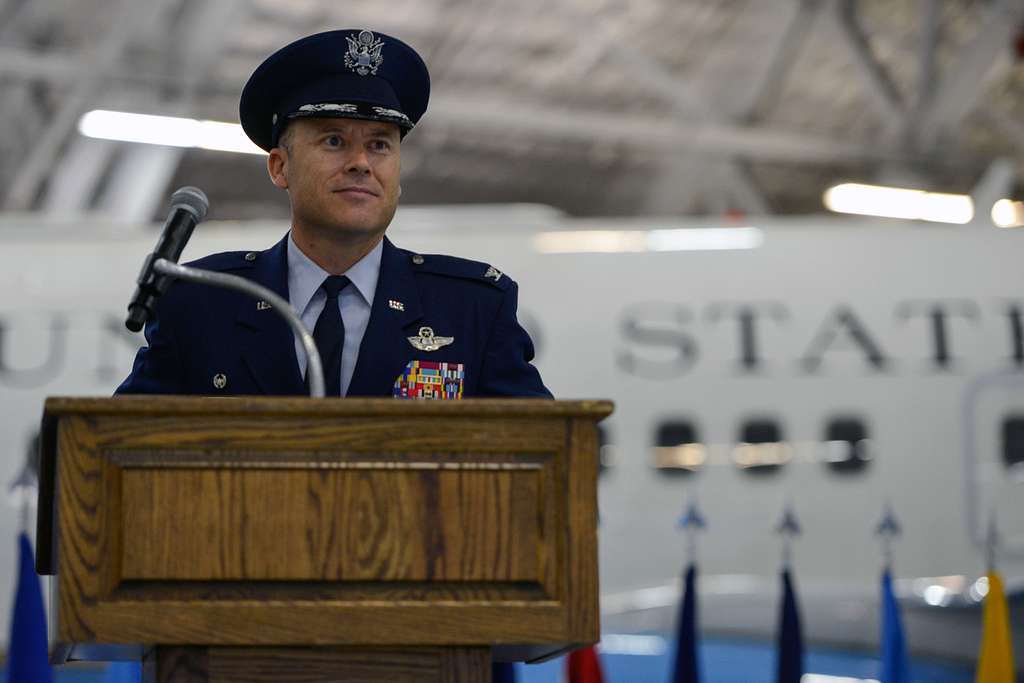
{"x": 385, "y": 350}
{"x": 266, "y": 341}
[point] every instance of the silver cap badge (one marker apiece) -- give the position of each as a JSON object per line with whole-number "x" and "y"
{"x": 427, "y": 341}
{"x": 363, "y": 54}
{"x": 220, "y": 380}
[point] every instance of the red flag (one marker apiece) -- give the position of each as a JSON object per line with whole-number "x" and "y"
{"x": 583, "y": 666}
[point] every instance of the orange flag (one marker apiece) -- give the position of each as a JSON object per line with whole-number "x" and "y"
{"x": 995, "y": 661}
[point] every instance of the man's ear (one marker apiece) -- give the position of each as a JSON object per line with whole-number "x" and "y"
{"x": 277, "y": 167}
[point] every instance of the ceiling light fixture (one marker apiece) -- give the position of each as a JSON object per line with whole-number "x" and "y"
{"x": 1007, "y": 213}
{"x": 166, "y": 130}
{"x": 898, "y": 202}
{"x": 624, "y": 241}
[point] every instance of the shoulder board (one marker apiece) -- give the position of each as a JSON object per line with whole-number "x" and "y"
{"x": 226, "y": 260}
{"x": 452, "y": 266}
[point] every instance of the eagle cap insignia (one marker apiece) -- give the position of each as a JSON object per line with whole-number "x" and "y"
{"x": 363, "y": 54}
{"x": 426, "y": 340}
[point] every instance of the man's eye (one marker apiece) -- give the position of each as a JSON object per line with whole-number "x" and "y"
{"x": 334, "y": 141}
{"x": 380, "y": 145}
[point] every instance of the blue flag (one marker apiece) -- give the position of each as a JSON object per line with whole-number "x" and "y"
{"x": 686, "y": 670}
{"x": 124, "y": 672}
{"x": 791, "y": 644}
{"x": 895, "y": 665}
{"x": 27, "y": 658}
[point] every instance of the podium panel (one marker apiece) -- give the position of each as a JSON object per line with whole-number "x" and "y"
{"x": 280, "y": 522}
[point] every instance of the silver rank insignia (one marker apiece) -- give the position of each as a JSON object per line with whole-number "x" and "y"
{"x": 363, "y": 54}
{"x": 262, "y": 306}
{"x": 493, "y": 272}
{"x": 426, "y": 341}
{"x": 220, "y": 380}
{"x": 396, "y": 305}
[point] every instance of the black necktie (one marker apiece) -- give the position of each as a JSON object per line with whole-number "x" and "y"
{"x": 329, "y": 334}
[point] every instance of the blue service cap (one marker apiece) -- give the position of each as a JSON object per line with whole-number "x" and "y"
{"x": 349, "y": 73}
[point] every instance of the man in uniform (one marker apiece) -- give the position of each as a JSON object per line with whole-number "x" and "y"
{"x": 331, "y": 110}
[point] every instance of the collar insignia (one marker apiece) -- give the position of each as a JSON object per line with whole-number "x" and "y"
{"x": 493, "y": 272}
{"x": 363, "y": 54}
{"x": 427, "y": 341}
{"x": 396, "y": 305}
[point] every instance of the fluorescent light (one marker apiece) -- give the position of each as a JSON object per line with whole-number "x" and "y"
{"x": 624, "y": 241}
{"x": 702, "y": 239}
{"x": 825, "y": 678}
{"x": 898, "y": 202}
{"x": 596, "y": 241}
{"x": 1007, "y": 213}
{"x": 166, "y": 130}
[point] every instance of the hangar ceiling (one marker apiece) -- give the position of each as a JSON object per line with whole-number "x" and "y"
{"x": 597, "y": 107}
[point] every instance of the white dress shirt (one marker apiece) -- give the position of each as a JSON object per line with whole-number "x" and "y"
{"x": 354, "y": 302}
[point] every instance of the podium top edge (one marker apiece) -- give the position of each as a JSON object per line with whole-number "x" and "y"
{"x": 57, "y": 406}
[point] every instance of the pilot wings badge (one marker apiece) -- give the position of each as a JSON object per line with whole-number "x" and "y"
{"x": 427, "y": 341}
{"x": 363, "y": 54}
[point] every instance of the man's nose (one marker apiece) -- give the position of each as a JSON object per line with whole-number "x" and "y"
{"x": 357, "y": 161}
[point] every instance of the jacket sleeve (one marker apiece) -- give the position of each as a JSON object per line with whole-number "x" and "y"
{"x": 158, "y": 368}
{"x": 507, "y": 368}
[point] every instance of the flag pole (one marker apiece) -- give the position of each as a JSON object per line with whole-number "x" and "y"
{"x": 789, "y": 663}
{"x": 892, "y": 640}
{"x": 686, "y": 668}
{"x": 23, "y": 490}
{"x": 991, "y": 541}
{"x": 692, "y": 522}
{"x": 887, "y": 530}
{"x": 788, "y": 528}
{"x": 995, "y": 658}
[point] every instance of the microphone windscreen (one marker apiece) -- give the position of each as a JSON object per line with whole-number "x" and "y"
{"x": 192, "y": 199}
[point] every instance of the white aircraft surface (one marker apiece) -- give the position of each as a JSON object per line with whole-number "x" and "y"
{"x": 829, "y": 364}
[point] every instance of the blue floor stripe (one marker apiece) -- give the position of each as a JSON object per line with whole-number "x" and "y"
{"x": 722, "y": 661}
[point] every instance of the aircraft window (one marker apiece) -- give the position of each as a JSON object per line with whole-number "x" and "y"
{"x": 847, "y": 447}
{"x": 1013, "y": 441}
{"x": 761, "y": 447}
{"x": 677, "y": 448}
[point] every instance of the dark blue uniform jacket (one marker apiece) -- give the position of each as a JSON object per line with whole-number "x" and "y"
{"x": 200, "y": 331}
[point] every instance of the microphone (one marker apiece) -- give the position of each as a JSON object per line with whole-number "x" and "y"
{"x": 188, "y": 207}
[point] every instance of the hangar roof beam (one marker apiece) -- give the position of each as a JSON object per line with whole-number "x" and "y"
{"x": 974, "y": 66}
{"x": 47, "y": 148}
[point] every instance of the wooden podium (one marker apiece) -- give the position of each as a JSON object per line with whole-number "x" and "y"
{"x": 288, "y": 539}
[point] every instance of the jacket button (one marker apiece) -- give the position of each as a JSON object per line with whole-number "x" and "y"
{"x": 251, "y": 256}
{"x": 417, "y": 259}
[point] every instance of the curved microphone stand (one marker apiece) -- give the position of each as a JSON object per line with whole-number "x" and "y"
{"x": 314, "y": 367}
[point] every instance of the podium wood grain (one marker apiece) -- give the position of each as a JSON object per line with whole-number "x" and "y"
{"x": 337, "y": 524}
